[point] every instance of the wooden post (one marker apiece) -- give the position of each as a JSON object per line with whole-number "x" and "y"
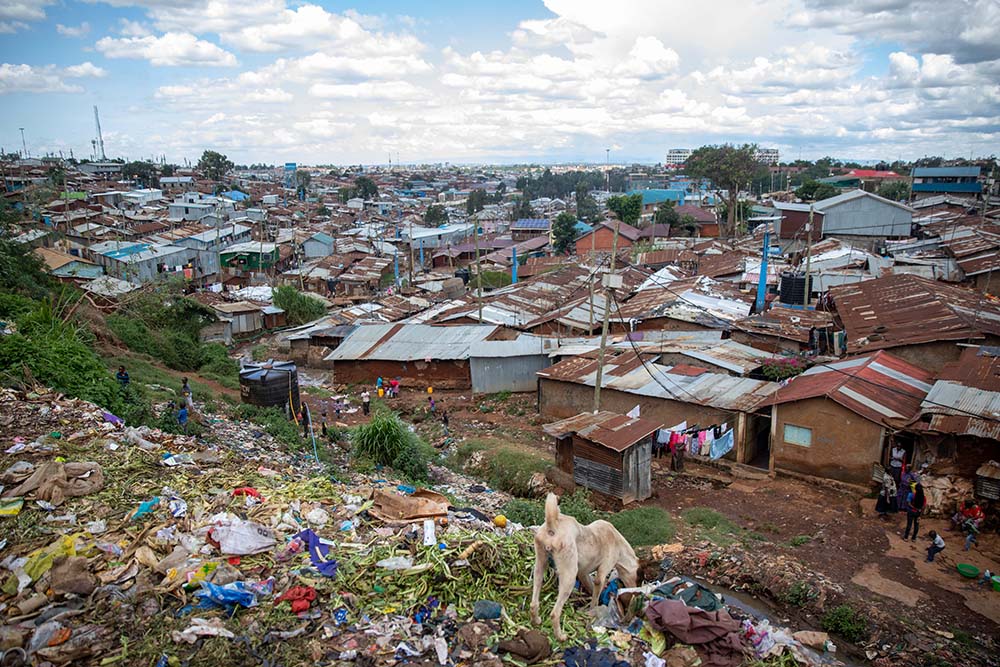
{"x": 604, "y": 327}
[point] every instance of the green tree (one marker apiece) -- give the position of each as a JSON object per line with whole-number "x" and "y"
{"x": 143, "y": 173}
{"x": 56, "y": 176}
{"x": 347, "y": 193}
{"x": 322, "y": 210}
{"x": 476, "y": 201}
{"x": 564, "y": 231}
{"x": 628, "y": 208}
{"x": 435, "y": 215}
{"x": 666, "y": 214}
{"x": 214, "y": 165}
{"x": 299, "y": 308}
{"x": 302, "y": 179}
{"x": 814, "y": 191}
{"x": 522, "y": 210}
{"x": 367, "y": 189}
{"x": 686, "y": 226}
{"x": 586, "y": 208}
{"x": 21, "y": 269}
{"x": 728, "y": 167}
{"x": 894, "y": 190}
{"x": 168, "y": 170}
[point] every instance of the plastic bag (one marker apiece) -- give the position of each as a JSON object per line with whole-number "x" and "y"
{"x": 228, "y": 597}
{"x": 243, "y": 538}
{"x": 396, "y": 563}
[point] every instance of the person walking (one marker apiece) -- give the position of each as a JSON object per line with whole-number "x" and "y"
{"x": 887, "y": 502}
{"x": 338, "y": 407}
{"x": 432, "y": 406}
{"x": 366, "y": 402}
{"x": 186, "y": 393}
{"x": 677, "y": 454}
{"x": 394, "y": 388}
{"x": 914, "y": 505}
{"x": 935, "y": 547}
{"x": 444, "y": 420}
{"x": 122, "y": 377}
{"x": 378, "y": 383}
{"x": 305, "y": 418}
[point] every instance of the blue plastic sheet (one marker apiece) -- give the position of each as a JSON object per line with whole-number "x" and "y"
{"x": 231, "y": 596}
{"x": 319, "y": 553}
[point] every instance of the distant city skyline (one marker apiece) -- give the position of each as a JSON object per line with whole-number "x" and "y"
{"x": 526, "y": 81}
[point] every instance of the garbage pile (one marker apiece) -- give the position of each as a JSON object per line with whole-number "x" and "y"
{"x": 132, "y": 546}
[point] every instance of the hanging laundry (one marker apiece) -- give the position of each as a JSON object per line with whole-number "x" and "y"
{"x": 633, "y": 413}
{"x": 706, "y": 444}
{"x": 723, "y": 445}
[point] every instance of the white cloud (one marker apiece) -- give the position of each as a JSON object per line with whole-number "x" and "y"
{"x": 44, "y": 78}
{"x": 86, "y": 69}
{"x": 73, "y": 31}
{"x": 969, "y": 30}
{"x": 369, "y": 90}
{"x": 169, "y": 49}
{"x": 10, "y": 27}
{"x": 23, "y": 10}
{"x": 132, "y": 28}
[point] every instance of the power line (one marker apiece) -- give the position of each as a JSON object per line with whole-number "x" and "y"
{"x": 825, "y": 364}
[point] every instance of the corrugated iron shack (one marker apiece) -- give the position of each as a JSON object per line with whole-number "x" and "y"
{"x": 606, "y": 452}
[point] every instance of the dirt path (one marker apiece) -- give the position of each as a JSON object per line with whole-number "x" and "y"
{"x": 864, "y": 554}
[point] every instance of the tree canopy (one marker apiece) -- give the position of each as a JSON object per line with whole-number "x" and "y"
{"x": 560, "y": 185}
{"x": 586, "y": 208}
{"x": 522, "y": 209}
{"x": 814, "y": 191}
{"x": 366, "y": 187}
{"x": 628, "y": 208}
{"x": 476, "y": 201}
{"x": 564, "y": 232}
{"x": 894, "y": 190}
{"x": 728, "y": 167}
{"x": 435, "y": 215}
{"x": 214, "y": 165}
{"x": 666, "y": 214}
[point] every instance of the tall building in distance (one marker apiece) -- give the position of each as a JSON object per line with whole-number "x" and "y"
{"x": 678, "y": 156}
{"x": 768, "y": 156}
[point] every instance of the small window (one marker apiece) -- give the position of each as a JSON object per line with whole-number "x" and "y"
{"x": 798, "y": 435}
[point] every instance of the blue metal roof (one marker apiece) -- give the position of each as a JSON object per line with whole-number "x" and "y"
{"x": 236, "y": 195}
{"x": 322, "y": 238}
{"x": 947, "y": 187}
{"x": 531, "y": 223}
{"x": 657, "y": 196}
{"x": 946, "y": 172}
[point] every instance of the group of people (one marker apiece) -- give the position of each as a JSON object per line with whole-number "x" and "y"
{"x": 183, "y": 409}
{"x": 902, "y": 491}
{"x": 388, "y": 389}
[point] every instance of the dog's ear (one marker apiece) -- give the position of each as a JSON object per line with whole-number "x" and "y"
{"x": 551, "y": 510}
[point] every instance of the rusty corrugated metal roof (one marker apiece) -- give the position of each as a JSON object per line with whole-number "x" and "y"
{"x": 612, "y": 430}
{"x": 965, "y": 388}
{"x": 790, "y": 323}
{"x": 904, "y": 309}
{"x": 878, "y": 386}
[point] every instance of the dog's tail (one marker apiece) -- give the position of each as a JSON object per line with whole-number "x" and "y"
{"x": 551, "y": 510}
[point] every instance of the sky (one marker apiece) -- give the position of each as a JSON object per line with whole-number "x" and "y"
{"x": 499, "y": 82}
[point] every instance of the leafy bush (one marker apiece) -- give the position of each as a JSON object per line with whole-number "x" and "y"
{"x": 799, "y": 594}
{"x": 846, "y": 622}
{"x": 299, "y": 308}
{"x": 13, "y": 306}
{"x": 777, "y": 369}
{"x": 644, "y": 526}
{"x": 799, "y": 540}
{"x": 386, "y": 440}
{"x": 274, "y": 423}
{"x": 259, "y": 352}
{"x": 524, "y": 512}
{"x": 577, "y": 505}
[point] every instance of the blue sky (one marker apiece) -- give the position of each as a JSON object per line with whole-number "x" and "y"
{"x": 552, "y": 81}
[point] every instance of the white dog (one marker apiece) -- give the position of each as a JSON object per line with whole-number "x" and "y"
{"x": 577, "y": 551}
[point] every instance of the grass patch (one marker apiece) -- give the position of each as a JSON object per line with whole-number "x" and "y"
{"x": 273, "y": 422}
{"x": 502, "y": 466}
{"x": 641, "y": 526}
{"x": 712, "y": 525}
{"x": 799, "y": 594}
{"x": 644, "y": 526}
{"x": 259, "y": 352}
{"x": 709, "y": 519}
{"x": 799, "y": 540}
{"x": 386, "y": 440}
{"x": 846, "y": 622}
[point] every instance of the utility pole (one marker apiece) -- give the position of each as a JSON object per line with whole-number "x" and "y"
{"x": 479, "y": 271}
{"x": 411, "y": 252}
{"x": 593, "y": 260}
{"x": 607, "y": 313}
{"x": 809, "y": 250}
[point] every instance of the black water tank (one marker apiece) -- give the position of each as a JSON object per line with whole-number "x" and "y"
{"x": 271, "y": 384}
{"x": 793, "y": 288}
